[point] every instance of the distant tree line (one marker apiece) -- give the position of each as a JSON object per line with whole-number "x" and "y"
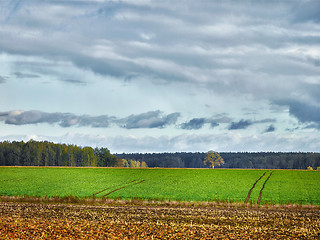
{"x": 33, "y": 153}
{"x": 259, "y": 160}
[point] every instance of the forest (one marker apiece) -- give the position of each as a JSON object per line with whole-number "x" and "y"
{"x": 257, "y": 160}
{"x": 34, "y": 153}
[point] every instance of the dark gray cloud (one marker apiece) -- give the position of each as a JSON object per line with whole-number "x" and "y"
{"x": 307, "y": 11}
{"x": 214, "y": 124}
{"x": 312, "y": 126}
{"x": 312, "y": 90}
{"x": 304, "y": 112}
{"x": 25, "y": 75}
{"x": 193, "y": 124}
{"x": 152, "y": 119}
{"x": 242, "y": 124}
{"x": 197, "y": 123}
{"x": 271, "y": 128}
{"x": 3, "y": 79}
{"x": 73, "y": 81}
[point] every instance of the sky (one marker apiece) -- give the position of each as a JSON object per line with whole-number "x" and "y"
{"x": 162, "y": 76}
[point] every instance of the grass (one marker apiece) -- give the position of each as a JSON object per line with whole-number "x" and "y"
{"x": 293, "y": 187}
{"x": 161, "y": 184}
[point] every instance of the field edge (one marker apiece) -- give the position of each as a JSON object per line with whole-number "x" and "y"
{"x": 73, "y": 200}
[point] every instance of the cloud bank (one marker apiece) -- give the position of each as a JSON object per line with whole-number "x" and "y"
{"x": 148, "y": 120}
{"x": 170, "y": 68}
{"x": 152, "y": 119}
{"x": 63, "y": 119}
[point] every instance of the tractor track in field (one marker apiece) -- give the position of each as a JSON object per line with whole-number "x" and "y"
{"x": 260, "y": 193}
{"x": 253, "y": 186}
{"x": 249, "y": 193}
{"x": 103, "y": 190}
{"x": 117, "y": 189}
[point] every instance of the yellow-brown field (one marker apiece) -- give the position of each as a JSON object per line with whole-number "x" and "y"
{"x": 130, "y": 221}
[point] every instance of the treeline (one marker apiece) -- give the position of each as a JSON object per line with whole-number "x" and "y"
{"x": 259, "y": 160}
{"x": 168, "y": 160}
{"x": 33, "y": 153}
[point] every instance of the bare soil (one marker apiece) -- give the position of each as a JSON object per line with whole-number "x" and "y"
{"x": 63, "y": 221}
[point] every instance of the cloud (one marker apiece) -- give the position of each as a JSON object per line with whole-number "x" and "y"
{"x": 168, "y": 42}
{"x": 304, "y": 112}
{"x": 152, "y": 119}
{"x": 25, "y": 75}
{"x": 267, "y": 120}
{"x": 30, "y": 117}
{"x": 3, "y": 79}
{"x": 271, "y": 128}
{"x": 221, "y": 118}
{"x": 63, "y": 119}
{"x": 117, "y": 38}
{"x": 214, "y": 124}
{"x": 73, "y": 81}
{"x": 226, "y": 55}
{"x": 197, "y": 123}
{"x": 86, "y": 121}
{"x": 242, "y": 124}
{"x": 307, "y": 11}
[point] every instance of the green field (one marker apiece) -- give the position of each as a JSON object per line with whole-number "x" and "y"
{"x": 284, "y": 186}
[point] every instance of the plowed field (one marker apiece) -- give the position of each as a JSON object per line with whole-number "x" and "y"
{"x": 50, "y": 221}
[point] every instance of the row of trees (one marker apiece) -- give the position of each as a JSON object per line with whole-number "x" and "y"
{"x": 272, "y": 160}
{"x": 168, "y": 160}
{"x": 33, "y": 153}
{"x": 259, "y": 160}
